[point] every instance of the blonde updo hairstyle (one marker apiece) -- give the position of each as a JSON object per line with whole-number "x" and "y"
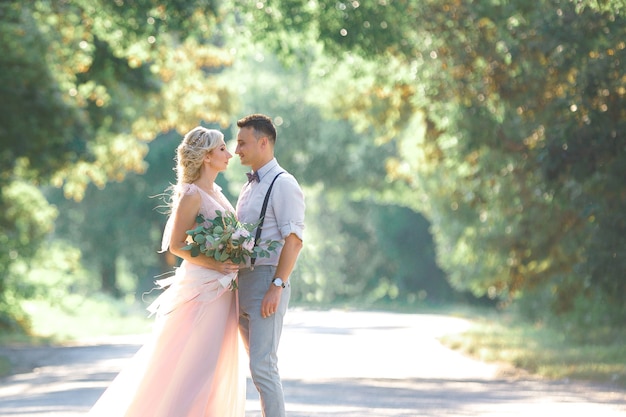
{"x": 189, "y": 158}
{"x": 191, "y": 152}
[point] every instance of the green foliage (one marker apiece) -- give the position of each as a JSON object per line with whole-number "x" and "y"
{"x": 40, "y": 128}
{"x": 546, "y": 350}
{"x": 88, "y": 82}
{"x": 26, "y": 220}
{"x": 548, "y": 144}
{"x": 406, "y": 244}
{"x": 501, "y": 121}
{"x": 612, "y": 6}
{"x": 123, "y": 221}
{"x": 85, "y": 85}
{"x": 106, "y": 225}
{"x": 346, "y": 255}
{"x": 132, "y": 73}
{"x": 225, "y": 238}
{"x": 508, "y": 120}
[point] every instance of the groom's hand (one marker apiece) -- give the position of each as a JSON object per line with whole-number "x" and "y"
{"x": 270, "y": 302}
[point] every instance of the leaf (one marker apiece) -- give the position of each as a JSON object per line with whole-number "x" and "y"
{"x": 273, "y": 245}
{"x": 194, "y": 231}
{"x": 195, "y": 251}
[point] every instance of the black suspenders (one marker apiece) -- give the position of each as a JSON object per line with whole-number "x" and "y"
{"x": 262, "y": 218}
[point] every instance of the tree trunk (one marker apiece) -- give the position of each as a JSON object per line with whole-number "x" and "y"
{"x": 108, "y": 278}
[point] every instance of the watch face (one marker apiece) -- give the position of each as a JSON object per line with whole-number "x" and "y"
{"x": 278, "y": 282}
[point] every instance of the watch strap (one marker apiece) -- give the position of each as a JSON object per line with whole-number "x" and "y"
{"x": 282, "y": 283}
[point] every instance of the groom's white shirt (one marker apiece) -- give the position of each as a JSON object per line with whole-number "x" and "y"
{"x": 285, "y": 209}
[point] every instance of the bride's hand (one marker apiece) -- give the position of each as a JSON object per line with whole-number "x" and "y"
{"x": 227, "y": 267}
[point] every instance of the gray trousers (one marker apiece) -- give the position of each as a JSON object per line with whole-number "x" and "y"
{"x": 261, "y": 336}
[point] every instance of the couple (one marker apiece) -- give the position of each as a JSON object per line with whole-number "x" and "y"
{"x": 190, "y": 367}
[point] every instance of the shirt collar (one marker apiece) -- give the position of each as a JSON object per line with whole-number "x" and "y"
{"x": 267, "y": 168}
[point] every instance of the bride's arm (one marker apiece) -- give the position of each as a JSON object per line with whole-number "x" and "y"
{"x": 185, "y": 219}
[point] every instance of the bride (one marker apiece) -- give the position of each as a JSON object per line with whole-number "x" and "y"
{"x": 190, "y": 365}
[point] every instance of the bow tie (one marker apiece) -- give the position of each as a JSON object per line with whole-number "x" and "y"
{"x": 254, "y": 176}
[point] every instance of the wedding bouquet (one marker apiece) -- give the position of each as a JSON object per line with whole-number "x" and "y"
{"x": 224, "y": 238}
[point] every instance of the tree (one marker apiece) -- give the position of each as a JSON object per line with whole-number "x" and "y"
{"x": 353, "y": 250}
{"x": 26, "y": 220}
{"x": 611, "y": 6}
{"x": 86, "y": 84}
{"x": 122, "y": 224}
{"x": 509, "y": 118}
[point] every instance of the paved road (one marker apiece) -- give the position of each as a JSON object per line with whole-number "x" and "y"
{"x": 333, "y": 363}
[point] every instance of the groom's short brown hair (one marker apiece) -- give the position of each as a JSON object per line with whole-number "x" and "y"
{"x": 261, "y": 124}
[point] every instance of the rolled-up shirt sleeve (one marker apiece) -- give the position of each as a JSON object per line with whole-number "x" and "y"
{"x": 289, "y": 207}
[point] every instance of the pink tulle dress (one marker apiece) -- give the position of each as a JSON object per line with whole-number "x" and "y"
{"x": 190, "y": 366}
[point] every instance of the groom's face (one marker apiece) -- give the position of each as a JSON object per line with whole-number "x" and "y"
{"x": 248, "y": 147}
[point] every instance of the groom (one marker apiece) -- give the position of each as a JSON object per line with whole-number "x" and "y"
{"x": 264, "y": 289}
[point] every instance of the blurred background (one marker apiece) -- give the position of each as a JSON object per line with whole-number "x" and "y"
{"x": 451, "y": 151}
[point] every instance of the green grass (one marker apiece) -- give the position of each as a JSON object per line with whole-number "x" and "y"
{"x": 544, "y": 351}
{"x": 79, "y": 318}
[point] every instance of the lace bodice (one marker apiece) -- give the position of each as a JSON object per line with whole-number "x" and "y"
{"x": 209, "y": 204}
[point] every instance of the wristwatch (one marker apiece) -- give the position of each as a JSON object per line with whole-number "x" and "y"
{"x": 278, "y": 282}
